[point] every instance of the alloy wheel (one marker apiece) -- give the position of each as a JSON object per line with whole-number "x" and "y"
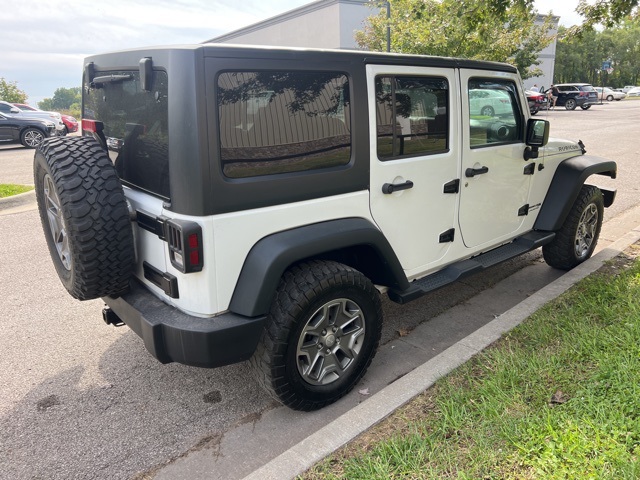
{"x": 330, "y": 341}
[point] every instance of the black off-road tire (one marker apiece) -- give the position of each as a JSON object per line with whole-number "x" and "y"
{"x": 84, "y": 216}
{"x": 576, "y": 240}
{"x": 296, "y": 326}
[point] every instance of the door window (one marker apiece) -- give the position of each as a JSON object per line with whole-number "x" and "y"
{"x": 412, "y": 116}
{"x": 495, "y": 115}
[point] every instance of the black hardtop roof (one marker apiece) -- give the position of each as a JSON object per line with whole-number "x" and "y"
{"x": 311, "y": 54}
{"x": 355, "y": 55}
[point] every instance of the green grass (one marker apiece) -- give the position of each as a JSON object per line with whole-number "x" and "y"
{"x": 9, "y": 189}
{"x": 557, "y": 398}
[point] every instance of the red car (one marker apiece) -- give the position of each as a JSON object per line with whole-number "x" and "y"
{"x": 537, "y": 101}
{"x": 70, "y": 124}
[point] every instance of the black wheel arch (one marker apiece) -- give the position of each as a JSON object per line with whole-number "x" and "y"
{"x": 355, "y": 242}
{"x": 565, "y": 188}
{"x": 33, "y": 127}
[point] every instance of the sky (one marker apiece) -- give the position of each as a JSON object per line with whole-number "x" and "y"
{"x": 43, "y": 43}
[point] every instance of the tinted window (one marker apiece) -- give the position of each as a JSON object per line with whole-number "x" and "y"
{"x": 412, "y": 116}
{"x": 495, "y": 115}
{"x": 135, "y": 126}
{"x": 282, "y": 122}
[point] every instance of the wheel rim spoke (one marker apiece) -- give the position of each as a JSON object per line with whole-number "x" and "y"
{"x": 586, "y": 231}
{"x": 32, "y": 138}
{"x": 56, "y": 222}
{"x": 330, "y": 342}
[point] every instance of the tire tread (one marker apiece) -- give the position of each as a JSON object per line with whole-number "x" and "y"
{"x": 299, "y": 286}
{"x": 94, "y": 208}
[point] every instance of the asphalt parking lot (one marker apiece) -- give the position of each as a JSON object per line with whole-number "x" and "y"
{"x": 83, "y": 400}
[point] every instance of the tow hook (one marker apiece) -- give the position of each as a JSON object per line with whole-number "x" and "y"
{"x": 110, "y": 317}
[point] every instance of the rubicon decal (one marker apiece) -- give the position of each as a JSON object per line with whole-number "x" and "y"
{"x": 568, "y": 148}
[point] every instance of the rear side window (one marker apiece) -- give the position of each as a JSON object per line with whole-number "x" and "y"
{"x": 274, "y": 122}
{"x": 412, "y": 116}
{"x": 135, "y": 127}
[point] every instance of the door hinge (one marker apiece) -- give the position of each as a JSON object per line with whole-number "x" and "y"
{"x": 530, "y": 169}
{"x": 447, "y": 236}
{"x": 523, "y": 210}
{"x": 452, "y": 187}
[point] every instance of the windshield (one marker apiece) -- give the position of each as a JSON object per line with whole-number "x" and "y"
{"x": 135, "y": 127}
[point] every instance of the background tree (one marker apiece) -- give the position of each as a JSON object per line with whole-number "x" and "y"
{"x": 579, "y": 58}
{"x": 9, "y": 92}
{"x": 500, "y": 30}
{"x": 605, "y": 12}
{"x": 63, "y": 99}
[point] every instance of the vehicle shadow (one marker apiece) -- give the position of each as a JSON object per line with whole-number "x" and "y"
{"x": 13, "y": 147}
{"x": 131, "y": 414}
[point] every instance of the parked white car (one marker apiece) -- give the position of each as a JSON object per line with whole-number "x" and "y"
{"x": 634, "y": 92}
{"x": 609, "y": 95}
{"x": 489, "y": 103}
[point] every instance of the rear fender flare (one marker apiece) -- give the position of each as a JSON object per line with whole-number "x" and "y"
{"x": 336, "y": 239}
{"x": 565, "y": 187}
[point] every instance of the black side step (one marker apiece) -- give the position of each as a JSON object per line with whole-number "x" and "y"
{"x": 464, "y": 268}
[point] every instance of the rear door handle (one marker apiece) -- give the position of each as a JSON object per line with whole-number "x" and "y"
{"x": 472, "y": 172}
{"x": 388, "y": 188}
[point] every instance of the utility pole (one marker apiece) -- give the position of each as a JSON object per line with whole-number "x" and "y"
{"x": 388, "y": 26}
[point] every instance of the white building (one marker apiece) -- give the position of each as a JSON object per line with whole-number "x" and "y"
{"x": 333, "y": 23}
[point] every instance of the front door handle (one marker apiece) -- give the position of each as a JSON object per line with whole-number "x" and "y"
{"x": 388, "y": 188}
{"x": 472, "y": 172}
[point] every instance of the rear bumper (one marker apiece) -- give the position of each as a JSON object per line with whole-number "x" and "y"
{"x": 173, "y": 336}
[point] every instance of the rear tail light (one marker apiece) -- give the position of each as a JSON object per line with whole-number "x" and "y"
{"x": 185, "y": 245}
{"x": 93, "y": 126}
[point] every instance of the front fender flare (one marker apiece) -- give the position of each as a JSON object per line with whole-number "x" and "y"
{"x": 565, "y": 187}
{"x": 272, "y": 255}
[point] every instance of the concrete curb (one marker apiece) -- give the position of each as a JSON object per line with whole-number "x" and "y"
{"x": 345, "y": 428}
{"x": 16, "y": 203}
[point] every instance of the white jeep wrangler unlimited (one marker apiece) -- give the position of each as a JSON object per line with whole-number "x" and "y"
{"x": 234, "y": 203}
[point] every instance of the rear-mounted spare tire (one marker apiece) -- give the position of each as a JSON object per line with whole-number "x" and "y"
{"x": 84, "y": 216}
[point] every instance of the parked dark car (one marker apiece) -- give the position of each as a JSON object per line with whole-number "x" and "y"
{"x": 537, "y": 101}
{"x": 14, "y": 110}
{"x": 572, "y": 95}
{"x": 70, "y": 123}
{"x": 30, "y": 132}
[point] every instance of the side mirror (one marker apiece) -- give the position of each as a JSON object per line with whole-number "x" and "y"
{"x": 537, "y": 132}
{"x": 14, "y": 110}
